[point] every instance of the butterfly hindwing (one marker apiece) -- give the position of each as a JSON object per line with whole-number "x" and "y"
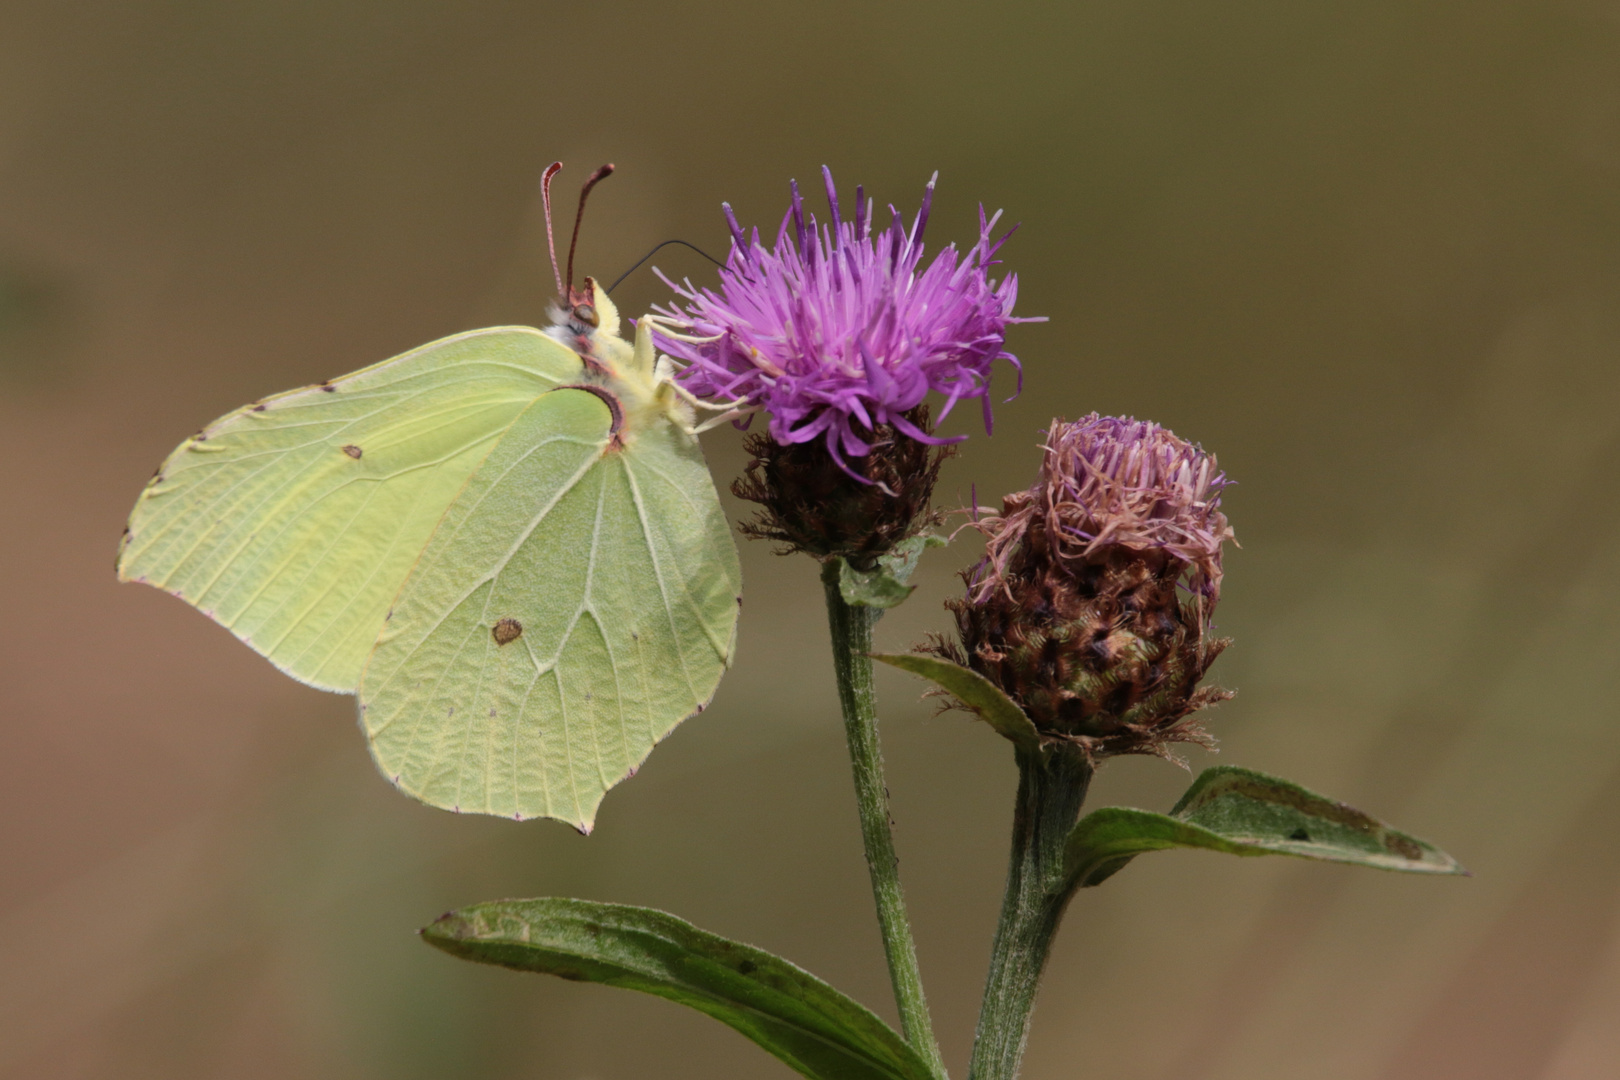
{"x": 577, "y": 602}
{"x": 295, "y": 520}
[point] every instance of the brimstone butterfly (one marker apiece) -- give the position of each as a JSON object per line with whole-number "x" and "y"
{"x": 509, "y": 547}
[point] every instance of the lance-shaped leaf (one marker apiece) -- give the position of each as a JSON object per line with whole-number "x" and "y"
{"x": 1243, "y": 812}
{"x": 886, "y": 585}
{"x": 783, "y": 1008}
{"x": 973, "y": 690}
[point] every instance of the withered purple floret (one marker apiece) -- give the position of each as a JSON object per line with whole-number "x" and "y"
{"x": 1110, "y": 481}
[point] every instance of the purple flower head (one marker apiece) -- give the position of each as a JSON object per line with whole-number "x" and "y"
{"x": 1110, "y": 481}
{"x": 836, "y": 329}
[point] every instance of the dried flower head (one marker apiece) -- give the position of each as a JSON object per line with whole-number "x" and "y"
{"x": 1092, "y": 605}
{"x": 838, "y": 331}
{"x": 1116, "y": 481}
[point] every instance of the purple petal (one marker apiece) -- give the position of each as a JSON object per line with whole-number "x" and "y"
{"x": 832, "y": 199}
{"x": 737, "y": 237}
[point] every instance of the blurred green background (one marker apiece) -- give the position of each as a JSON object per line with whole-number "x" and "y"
{"x": 1369, "y": 253}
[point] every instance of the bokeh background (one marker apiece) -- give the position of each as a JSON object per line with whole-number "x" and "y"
{"x": 1368, "y": 252}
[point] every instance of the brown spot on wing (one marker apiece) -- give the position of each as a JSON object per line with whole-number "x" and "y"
{"x": 353, "y": 451}
{"x": 507, "y": 631}
{"x": 259, "y": 407}
{"x": 328, "y": 387}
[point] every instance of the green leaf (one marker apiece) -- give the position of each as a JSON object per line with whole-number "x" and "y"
{"x": 783, "y": 1008}
{"x": 884, "y": 586}
{"x": 973, "y": 690}
{"x": 1242, "y": 812}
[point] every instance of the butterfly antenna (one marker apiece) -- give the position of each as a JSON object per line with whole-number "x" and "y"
{"x": 584, "y": 193}
{"x": 620, "y": 280}
{"x": 551, "y": 243}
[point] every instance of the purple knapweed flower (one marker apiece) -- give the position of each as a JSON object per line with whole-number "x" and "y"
{"x": 837, "y": 330}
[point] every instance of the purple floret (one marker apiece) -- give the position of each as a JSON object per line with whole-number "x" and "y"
{"x": 835, "y": 331}
{"x": 1117, "y": 481}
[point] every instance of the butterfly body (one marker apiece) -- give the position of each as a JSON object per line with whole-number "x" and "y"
{"x": 506, "y": 543}
{"x": 638, "y": 384}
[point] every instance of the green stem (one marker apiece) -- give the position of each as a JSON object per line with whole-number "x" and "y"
{"x": 851, "y": 645}
{"x": 1051, "y": 788}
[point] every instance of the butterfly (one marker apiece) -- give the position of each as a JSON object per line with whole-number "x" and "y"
{"x": 507, "y": 543}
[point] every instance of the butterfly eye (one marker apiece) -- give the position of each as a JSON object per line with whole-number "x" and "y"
{"x": 585, "y": 313}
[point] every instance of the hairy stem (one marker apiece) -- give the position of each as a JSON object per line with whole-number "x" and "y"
{"x": 851, "y": 642}
{"x": 1051, "y": 788}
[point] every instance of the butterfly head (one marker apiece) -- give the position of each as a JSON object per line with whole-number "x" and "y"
{"x": 586, "y": 321}
{"x": 589, "y": 325}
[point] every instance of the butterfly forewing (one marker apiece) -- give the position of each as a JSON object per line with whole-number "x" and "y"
{"x": 577, "y": 602}
{"x": 294, "y": 521}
